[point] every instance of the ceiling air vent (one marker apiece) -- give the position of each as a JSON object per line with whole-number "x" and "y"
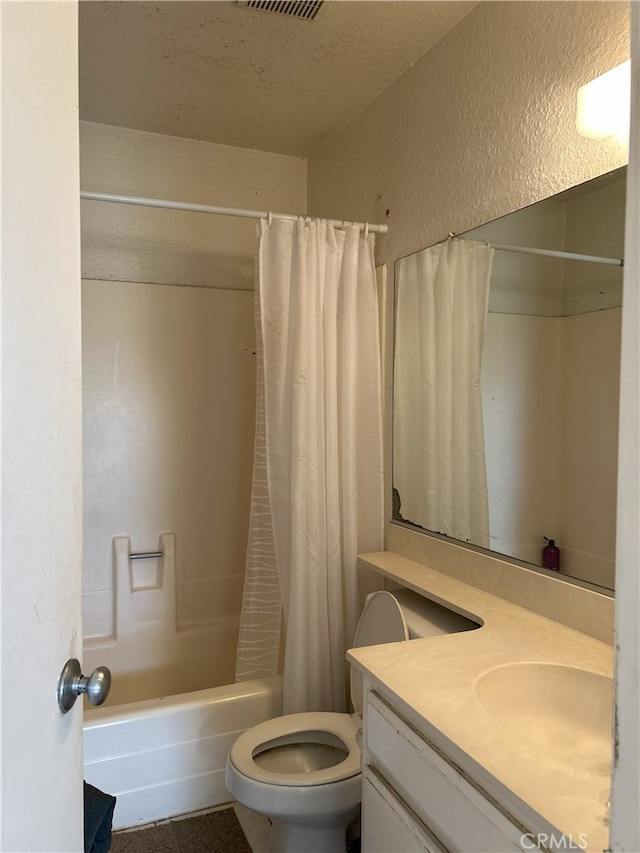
{"x": 293, "y": 8}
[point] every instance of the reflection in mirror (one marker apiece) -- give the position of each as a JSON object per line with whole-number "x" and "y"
{"x": 535, "y": 398}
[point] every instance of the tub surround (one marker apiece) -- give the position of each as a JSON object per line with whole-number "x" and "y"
{"x": 437, "y": 685}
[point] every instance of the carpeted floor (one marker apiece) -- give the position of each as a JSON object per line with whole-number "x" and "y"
{"x": 212, "y": 832}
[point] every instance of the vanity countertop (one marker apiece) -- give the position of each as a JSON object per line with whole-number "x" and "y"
{"x": 434, "y": 683}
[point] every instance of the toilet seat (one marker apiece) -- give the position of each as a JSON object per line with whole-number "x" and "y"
{"x": 381, "y": 621}
{"x": 271, "y": 733}
{"x": 270, "y": 766}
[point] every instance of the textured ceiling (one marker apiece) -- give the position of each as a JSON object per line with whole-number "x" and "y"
{"x": 221, "y": 72}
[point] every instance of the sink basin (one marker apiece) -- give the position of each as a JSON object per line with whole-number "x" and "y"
{"x": 565, "y": 711}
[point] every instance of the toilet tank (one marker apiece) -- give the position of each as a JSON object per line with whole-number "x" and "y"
{"x": 427, "y": 618}
{"x": 390, "y": 617}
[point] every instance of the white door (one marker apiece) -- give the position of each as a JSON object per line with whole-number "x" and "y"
{"x": 42, "y": 805}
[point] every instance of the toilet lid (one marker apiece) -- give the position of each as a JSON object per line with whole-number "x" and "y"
{"x": 311, "y": 727}
{"x": 381, "y": 621}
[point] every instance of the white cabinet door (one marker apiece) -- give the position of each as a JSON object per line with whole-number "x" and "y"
{"x": 456, "y": 811}
{"x": 387, "y": 826}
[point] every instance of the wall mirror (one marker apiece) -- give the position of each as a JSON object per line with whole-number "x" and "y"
{"x": 547, "y": 380}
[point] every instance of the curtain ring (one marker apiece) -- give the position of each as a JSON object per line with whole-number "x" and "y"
{"x": 269, "y": 219}
{"x": 366, "y": 230}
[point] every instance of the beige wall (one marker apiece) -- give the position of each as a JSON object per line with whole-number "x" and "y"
{"x": 129, "y": 243}
{"x": 483, "y": 124}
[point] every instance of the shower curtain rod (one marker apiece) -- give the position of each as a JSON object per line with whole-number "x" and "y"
{"x": 552, "y": 253}
{"x": 222, "y": 211}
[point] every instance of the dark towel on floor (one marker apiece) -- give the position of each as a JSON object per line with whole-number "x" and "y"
{"x": 98, "y": 815}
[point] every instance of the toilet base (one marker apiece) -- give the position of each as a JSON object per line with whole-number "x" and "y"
{"x": 308, "y": 815}
{"x": 289, "y": 837}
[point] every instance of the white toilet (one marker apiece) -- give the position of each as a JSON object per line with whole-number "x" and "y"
{"x": 303, "y": 771}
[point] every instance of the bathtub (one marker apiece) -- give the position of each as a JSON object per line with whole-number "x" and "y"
{"x": 165, "y": 757}
{"x": 160, "y": 742}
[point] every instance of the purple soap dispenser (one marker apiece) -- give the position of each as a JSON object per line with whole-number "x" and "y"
{"x": 551, "y": 555}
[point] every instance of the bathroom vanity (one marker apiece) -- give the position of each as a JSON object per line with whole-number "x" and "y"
{"x": 415, "y": 798}
{"x": 496, "y": 739}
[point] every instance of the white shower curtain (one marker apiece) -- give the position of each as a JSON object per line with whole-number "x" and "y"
{"x": 323, "y": 441}
{"x": 439, "y": 470}
{"x": 259, "y": 637}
